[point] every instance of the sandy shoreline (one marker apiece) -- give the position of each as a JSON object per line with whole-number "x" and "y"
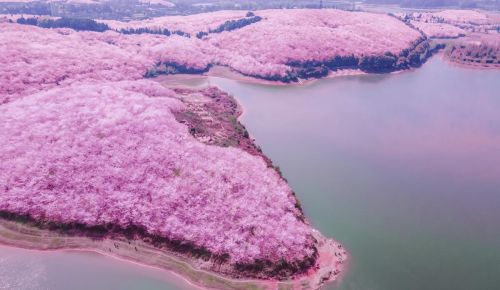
{"x": 225, "y": 72}
{"x": 330, "y": 265}
{"x": 201, "y": 80}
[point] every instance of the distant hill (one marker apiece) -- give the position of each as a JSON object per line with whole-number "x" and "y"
{"x": 487, "y": 4}
{"x": 127, "y": 10}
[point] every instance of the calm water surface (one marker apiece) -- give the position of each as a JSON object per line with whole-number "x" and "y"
{"x": 75, "y": 270}
{"x": 403, "y": 169}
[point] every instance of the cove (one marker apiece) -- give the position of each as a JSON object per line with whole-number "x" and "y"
{"x": 403, "y": 169}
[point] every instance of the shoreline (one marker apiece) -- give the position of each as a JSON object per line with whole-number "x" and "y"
{"x": 303, "y": 73}
{"x": 228, "y": 73}
{"x": 181, "y": 80}
{"x": 201, "y": 81}
{"x": 330, "y": 265}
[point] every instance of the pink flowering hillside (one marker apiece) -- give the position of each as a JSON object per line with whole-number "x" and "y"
{"x": 36, "y": 59}
{"x": 109, "y": 153}
{"x": 286, "y": 36}
{"x": 190, "y": 24}
{"x": 469, "y": 20}
{"x": 439, "y": 30}
{"x": 462, "y": 16}
{"x": 84, "y": 141}
{"x": 275, "y": 44}
{"x": 280, "y": 40}
{"x": 455, "y": 17}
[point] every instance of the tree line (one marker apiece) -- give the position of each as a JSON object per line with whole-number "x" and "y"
{"x": 232, "y": 25}
{"x": 83, "y": 24}
{"x": 161, "y": 31}
{"x": 78, "y": 24}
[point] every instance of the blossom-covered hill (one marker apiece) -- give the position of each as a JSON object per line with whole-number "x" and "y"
{"x": 87, "y": 142}
{"x": 460, "y": 16}
{"x": 439, "y": 30}
{"x": 37, "y": 59}
{"x": 190, "y": 24}
{"x": 452, "y": 23}
{"x": 113, "y": 153}
{"x": 454, "y": 17}
{"x": 283, "y": 45}
{"x": 284, "y": 40}
{"x": 301, "y": 36}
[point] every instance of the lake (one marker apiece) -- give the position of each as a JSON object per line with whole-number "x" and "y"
{"x": 403, "y": 169}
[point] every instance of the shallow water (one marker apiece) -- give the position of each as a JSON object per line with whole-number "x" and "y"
{"x": 404, "y": 169}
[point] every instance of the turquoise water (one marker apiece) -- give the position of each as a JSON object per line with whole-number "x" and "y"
{"x": 403, "y": 169}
